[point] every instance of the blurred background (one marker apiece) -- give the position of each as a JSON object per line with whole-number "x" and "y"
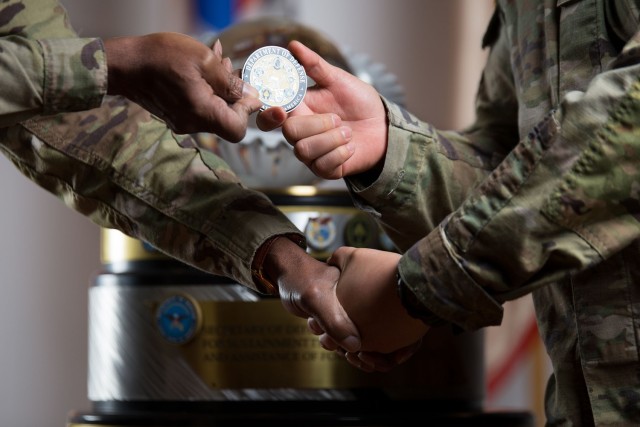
{"x": 50, "y": 253}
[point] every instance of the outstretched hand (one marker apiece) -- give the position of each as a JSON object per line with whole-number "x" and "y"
{"x": 182, "y": 81}
{"x": 340, "y": 129}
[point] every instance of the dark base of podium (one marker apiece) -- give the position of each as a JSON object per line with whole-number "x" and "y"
{"x": 303, "y": 414}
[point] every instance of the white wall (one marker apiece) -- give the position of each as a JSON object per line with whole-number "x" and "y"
{"x": 433, "y": 47}
{"x": 115, "y": 18}
{"x": 50, "y": 253}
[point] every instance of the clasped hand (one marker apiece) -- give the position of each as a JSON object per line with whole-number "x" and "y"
{"x": 367, "y": 290}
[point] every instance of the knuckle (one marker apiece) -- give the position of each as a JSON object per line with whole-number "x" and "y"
{"x": 235, "y": 136}
{"x": 312, "y": 293}
{"x": 289, "y": 131}
{"x": 228, "y": 133}
{"x": 331, "y": 120}
{"x": 303, "y": 151}
{"x": 233, "y": 89}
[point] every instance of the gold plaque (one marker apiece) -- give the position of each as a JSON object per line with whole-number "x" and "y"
{"x": 259, "y": 345}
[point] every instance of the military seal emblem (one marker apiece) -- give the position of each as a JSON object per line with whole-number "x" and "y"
{"x": 280, "y": 80}
{"x": 178, "y": 319}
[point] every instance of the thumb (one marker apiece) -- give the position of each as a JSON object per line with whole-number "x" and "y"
{"x": 317, "y": 68}
{"x": 223, "y": 79}
{"x": 332, "y": 319}
{"x": 271, "y": 118}
{"x": 329, "y": 319}
{"x": 341, "y": 257}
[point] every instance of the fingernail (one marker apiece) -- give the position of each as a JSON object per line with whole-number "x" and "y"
{"x": 217, "y": 48}
{"x": 351, "y": 344}
{"x": 249, "y": 91}
{"x": 273, "y": 114}
{"x": 353, "y": 359}
{"x": 346, "y": 133}
{"x": 351, "y": 148}
{"x": 226, "y": 62}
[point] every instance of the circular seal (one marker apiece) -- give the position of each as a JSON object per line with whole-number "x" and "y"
{"x": 320, "y": 232}
{"x": 360, "y": 231}
{"x": 178, "y": 319}
{"x": 280, "y": 80}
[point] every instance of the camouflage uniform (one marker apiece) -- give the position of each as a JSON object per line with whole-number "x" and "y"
{"x": 114, "y": 162}
{"x": 541, "y": 194}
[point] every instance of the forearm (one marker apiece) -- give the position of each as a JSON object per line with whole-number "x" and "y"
{"x": 427, "y": 174}
{"x": 125, "y": 170}
{"x": 561, "y": 202}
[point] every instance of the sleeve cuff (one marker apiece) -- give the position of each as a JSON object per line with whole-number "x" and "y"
{"x": 398, "y": 178}
{"x": 75, "y": 74}
{"x": 414, "y": 307}
{"x": 433, "y": 273}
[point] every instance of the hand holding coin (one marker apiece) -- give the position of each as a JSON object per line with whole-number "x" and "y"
{"x": 341, "y": 127}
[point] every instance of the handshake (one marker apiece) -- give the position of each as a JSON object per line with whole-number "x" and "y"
{"x": 351, "y": 302}
{"x": 338, "y": 130}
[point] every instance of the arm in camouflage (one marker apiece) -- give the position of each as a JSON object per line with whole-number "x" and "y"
{"x": 123, "y": 169}
{"x": 45, "y": 71}
{"x": 116, "y": 164}
{"x": 503, "y": 215}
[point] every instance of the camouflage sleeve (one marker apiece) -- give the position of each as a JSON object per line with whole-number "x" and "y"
{"x": 124, "y": 169}
{"x": 116, "y": 164}
{"x": 46, "y": 72}
{"x": 480, "y": 228}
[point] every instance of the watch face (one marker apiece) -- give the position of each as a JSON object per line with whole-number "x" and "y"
{"x": 278, "y": 77}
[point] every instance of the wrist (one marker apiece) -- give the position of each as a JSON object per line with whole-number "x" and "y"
{"x": 122, "y": 55}
{"x": 275, "y": 257}
{"x": 378, "y": 152}
{"x": 379, "y": 145}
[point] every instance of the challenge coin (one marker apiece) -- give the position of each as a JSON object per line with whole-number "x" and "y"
{"x": 278, "y": 77}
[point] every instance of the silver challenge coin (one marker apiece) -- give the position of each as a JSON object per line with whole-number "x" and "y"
{"x": 278, "y": 77}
